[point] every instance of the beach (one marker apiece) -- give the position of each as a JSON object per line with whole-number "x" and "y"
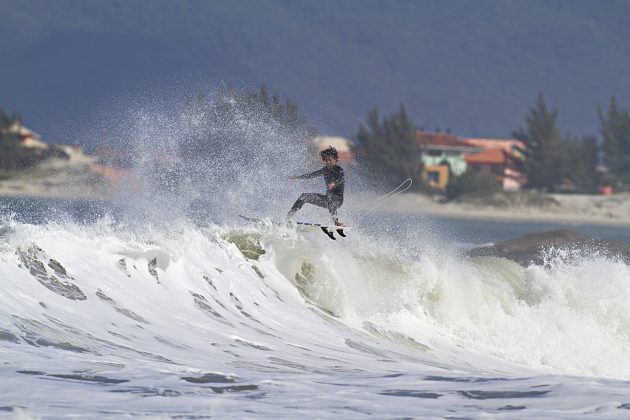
{"x": 56, "y": 178}
{"x": 561, "y": 208}
{"x": 65, "y": 180}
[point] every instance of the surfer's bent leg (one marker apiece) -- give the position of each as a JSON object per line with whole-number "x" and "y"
{"x": 319, "y": 200}
{"x": 333, "y": 202}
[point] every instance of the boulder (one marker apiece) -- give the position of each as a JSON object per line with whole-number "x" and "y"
{"x": 530, "y": 248}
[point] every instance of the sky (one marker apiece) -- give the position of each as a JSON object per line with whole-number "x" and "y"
{"x": 73, "y": 69}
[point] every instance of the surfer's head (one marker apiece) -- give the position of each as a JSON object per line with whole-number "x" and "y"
{"x": 329, "y": 156}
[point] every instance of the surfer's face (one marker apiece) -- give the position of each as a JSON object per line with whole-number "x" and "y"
{"x": 330, "y": 161}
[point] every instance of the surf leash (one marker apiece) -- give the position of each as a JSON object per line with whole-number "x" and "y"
{"x": 374, "y": 204}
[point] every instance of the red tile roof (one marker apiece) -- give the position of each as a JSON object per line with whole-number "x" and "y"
{"x": 506, "y": 144}
{"x": 489, "y": 156}
{"x": 424, "y": 138}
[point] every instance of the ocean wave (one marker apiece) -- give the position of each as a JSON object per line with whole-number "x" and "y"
{"x": 105, "y": 304}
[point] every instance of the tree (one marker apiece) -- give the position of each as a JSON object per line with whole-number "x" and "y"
{"x": 552, "y": 161}
{"x": 389, "y": 146}
{"x": 580, "y": 160}
{"x": 543, "y": 143}
{"x": 9, "y": 142}
{"x": 615, "y": 130}
{"x": 12, "y": 154}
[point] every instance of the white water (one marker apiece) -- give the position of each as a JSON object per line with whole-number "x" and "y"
{"x": 147, "y": 314}
{"x": 198, "y": 322}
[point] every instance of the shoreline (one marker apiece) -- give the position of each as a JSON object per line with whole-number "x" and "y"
{"x": 568, "y": 220}
{"x": 566, "y": 209}
{"x": 569, "y": 210}
{"x": 56, "y": 179}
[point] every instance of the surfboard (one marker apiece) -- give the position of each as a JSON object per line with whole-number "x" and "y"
{"x": 327, "y": 229}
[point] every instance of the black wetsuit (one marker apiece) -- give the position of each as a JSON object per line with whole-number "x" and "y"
{"x": 334, "y": 196}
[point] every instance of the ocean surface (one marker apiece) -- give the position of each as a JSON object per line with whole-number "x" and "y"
{"x": 104, "y": 318}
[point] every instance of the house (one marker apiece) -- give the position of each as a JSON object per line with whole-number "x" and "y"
{"x": 444, "y": 149}
{"x": 499, "y": 163}
{"x": 342, "y": 144}
{"x": 436, "y": 176}
{"x": 442, "y": 153}
{"x": 512, "y": 146}
{"x": 75, "y": 153}
{"x": 27, "y": 138}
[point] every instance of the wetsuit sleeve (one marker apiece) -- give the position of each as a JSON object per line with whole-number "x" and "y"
{"x": 311, "y": 175}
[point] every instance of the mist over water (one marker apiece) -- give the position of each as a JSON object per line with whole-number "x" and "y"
{"x": 213, "y": 158}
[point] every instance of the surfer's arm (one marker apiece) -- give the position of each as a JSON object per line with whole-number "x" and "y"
{"x": 311, "y": 175}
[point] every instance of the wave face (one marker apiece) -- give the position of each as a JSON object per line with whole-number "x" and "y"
{"x": 250, "y": 320}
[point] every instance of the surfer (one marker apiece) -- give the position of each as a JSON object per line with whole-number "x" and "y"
{"x": 333, "y": 175}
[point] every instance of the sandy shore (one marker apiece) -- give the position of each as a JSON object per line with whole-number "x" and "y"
{"x": 55, "y": 179}
{"x": 556, "y": 208}
{"x": 59, "y": 179}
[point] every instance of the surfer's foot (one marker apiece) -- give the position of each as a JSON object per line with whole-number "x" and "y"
{"x": 338, "y": 223}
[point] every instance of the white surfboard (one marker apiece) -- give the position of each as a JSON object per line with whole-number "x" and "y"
{"x": 329, "y": 230}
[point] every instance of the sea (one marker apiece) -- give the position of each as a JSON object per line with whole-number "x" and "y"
{"x": 103, "y": 315}
{"x": 161, "y": 302}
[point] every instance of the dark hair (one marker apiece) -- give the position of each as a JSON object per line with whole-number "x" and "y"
{"x": 330, "y": 151}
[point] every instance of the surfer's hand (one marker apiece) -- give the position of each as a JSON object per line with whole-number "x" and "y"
{"x": 331, "y": 185}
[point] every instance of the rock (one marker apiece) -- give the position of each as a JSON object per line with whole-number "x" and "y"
{"x": 32, "y": 258}
{"x": 530, "y": 248}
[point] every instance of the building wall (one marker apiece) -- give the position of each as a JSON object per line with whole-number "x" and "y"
{"x": 454, "y": 159}
{"x": 511, "y": 184}
{"x": 436, "y": 176}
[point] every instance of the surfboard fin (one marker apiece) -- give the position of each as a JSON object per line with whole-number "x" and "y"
{"x": 329, "y": 233}
{"x": 340, "y": 232}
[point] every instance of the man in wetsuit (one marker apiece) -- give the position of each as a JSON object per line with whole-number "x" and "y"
{"x": 333, "y": 175}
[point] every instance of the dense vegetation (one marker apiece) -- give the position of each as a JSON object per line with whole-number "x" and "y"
{"x": 553, "y": 162}
{"x": 615, "y": 133}
{"x": 8, "y": 141}
{"x": 12, "y": 156}
{"x": 388, "y": 145}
